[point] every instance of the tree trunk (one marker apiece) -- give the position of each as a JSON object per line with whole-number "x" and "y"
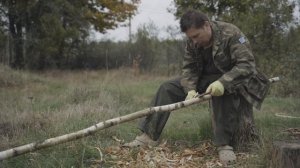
{"x": 19, "y": 57}
{"x": 15, "y": 29}
{"x": 286, "y": 154}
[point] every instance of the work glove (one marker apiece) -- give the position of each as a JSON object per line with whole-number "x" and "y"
{"x": 215, "y": 89}
{"x": 191, "y": 94}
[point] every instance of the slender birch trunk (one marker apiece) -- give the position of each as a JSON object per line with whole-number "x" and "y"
{"x": 102, "y": 125}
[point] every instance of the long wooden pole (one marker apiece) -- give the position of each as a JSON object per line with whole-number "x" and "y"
{"x": 102, "y": 125}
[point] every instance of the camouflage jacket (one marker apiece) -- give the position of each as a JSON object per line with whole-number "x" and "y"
{"x": 233, "y": 56}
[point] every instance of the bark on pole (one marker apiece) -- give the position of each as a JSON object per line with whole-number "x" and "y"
{"x": 102, "y": 125}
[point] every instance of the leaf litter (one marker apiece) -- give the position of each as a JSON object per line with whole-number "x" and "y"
{"x": 166, "y": 155}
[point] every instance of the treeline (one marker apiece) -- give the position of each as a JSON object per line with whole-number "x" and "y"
{"x": 41, "y": 34}
{"x": 151, "y": 52}
{"x": 54, "y": 34}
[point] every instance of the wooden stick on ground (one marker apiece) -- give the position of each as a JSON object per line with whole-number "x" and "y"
{"x": 102, "y": 125}
{"x": 286, "y": 116}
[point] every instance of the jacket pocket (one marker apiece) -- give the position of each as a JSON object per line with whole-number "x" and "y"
{"x": 258, "y": 86}
{"x": 223, "y": 62}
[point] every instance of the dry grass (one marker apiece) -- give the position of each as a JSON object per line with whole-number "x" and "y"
{"x": 39, "y": 105}
{"x": 36, "y": 106}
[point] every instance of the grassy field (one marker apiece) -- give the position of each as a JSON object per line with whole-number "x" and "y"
{"x": 37, "y": 106}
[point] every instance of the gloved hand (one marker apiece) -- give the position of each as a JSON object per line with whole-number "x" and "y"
{"x": 215, "y": 89}
{"x": 191, "y": 94}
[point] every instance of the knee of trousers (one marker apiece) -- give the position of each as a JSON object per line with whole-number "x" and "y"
{"x": 171, "y": 89}
{"x": 166, "y": 87}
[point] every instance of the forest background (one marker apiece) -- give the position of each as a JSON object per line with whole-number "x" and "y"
{"x": 42, "y": 35}
{"x": 54, "y": 80}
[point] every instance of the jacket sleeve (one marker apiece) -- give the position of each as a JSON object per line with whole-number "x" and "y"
{"x": 190, "y": 69}
{"x": 243, "y": 62}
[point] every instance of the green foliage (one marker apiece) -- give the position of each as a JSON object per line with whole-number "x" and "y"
{"x": 158, "y": 56}
{"x": 50, "y": 34}
{"x": 105, "y": 55}
{"x": 145, "y": 45}
{"x": 110, "y": 13}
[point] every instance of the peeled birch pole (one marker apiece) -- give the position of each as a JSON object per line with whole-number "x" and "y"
{"x": 102, "y": 125}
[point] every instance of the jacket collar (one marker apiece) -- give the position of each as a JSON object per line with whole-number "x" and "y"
{"x": 216, "y": 32}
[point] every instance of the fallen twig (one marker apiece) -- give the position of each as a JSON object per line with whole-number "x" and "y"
{"x": 286, "y": 116}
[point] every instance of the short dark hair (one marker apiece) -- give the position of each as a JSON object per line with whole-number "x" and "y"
{"x": 192, "y": 18}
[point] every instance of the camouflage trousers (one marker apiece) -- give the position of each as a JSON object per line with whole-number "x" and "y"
{"x": 232, "y": 115}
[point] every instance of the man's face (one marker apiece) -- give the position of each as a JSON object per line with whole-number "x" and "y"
{"x": 200, "y": 36}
